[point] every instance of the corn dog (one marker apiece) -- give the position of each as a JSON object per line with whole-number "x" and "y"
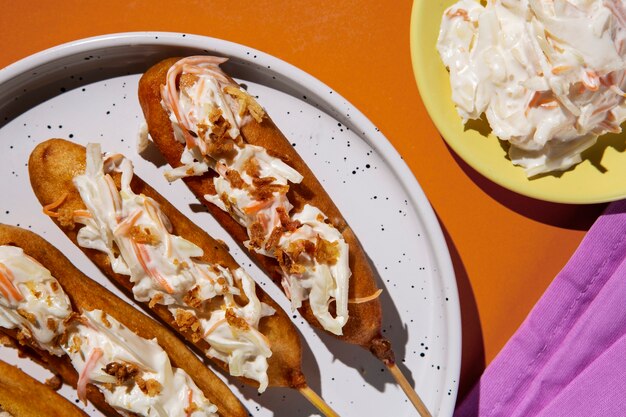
{"x": 96, "y": 342}
{"x": 23, "y": 396}
{"x": 231, "y": 155}
{"x": 189, "y": 280}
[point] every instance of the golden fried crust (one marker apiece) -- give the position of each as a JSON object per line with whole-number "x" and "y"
{"x": 86, "y": 294}
{"x": 363, "y": 326}
{"x": 52, "y": 166}
{"x": 23, "y": 396}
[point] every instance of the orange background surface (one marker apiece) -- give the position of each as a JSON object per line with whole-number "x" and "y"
{"x": 506, "y": 248}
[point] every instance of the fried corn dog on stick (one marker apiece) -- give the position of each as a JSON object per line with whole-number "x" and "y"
{"x": 231, "y": 155}
{"x": 120, "y": 360}
{"x": 167, "y": 263}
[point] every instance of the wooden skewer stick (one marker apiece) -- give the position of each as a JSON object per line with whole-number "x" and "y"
{"x": 317, "y": 401}
{"x": 408, "y": 389}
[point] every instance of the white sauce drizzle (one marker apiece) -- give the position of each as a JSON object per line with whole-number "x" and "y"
{"x": 177, "y": 394}
{"x": 164, "y": 269}
{"x": 44, "y": 299}
{"x": 189, "y": 108}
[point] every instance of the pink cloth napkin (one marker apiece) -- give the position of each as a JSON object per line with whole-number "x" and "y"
{"x": 568, "y": 358}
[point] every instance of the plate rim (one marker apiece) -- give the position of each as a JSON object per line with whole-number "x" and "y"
{"x": 417, "y": 52}
{"x": 374, "y": 138}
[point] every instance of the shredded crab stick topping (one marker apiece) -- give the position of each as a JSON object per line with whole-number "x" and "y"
{"x": 32, "y": 300}
{"x": 137, "y": 237}
{"x": 133, "y": 373}
{"x": 549, "y": 75}
{"x": 207, "y": 110}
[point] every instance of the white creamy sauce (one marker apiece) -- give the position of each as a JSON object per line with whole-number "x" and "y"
{"x": 42, "y": 299}
{"x": 548, "y": 75}
{"x": 142, "y": 137}
{"x": 320, "y": 281}
{"x": 189, "y": 108}
{"x": 116, "y": 343}
{"x": 163, "y": 268}
{"x": 94, "y": 331}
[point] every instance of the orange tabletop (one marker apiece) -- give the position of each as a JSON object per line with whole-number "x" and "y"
{"x": 506, "y": 248}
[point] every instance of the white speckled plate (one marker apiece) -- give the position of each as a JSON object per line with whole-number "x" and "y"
{"x": 86, "y": 91}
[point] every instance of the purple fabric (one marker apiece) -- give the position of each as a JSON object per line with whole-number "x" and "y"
{"x": 568, "y": 358}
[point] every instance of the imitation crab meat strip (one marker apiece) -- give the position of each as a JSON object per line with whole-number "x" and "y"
{"x": 83, "y": 378}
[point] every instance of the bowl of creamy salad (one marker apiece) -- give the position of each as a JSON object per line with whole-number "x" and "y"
{"x": 530, "y": 93}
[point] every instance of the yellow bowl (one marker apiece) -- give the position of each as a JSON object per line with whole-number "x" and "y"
{"x": 601, "y": 177}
